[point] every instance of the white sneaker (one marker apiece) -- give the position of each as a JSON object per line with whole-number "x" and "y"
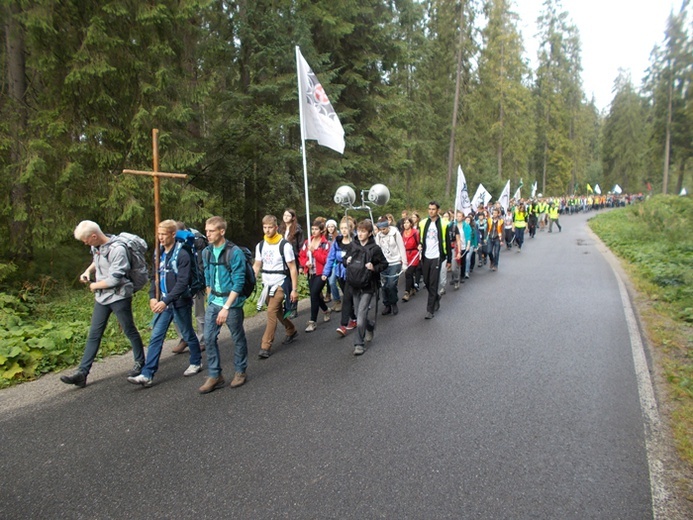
{"x": 141, "y": 380}
{"x": 192, "y": 370}
{"x": 310, "y": 327}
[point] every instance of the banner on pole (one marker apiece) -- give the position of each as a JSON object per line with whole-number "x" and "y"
{"x": 462, "y": 202}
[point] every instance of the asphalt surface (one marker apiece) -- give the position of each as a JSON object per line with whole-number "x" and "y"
{"x": 517, "y": 401}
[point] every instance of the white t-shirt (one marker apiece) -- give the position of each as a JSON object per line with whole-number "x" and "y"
{"x": 272, "y": 261}
{"x": 432, "y": 247}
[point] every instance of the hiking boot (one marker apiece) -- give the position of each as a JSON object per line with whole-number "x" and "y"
{"x": 342, "y": 331}
{"x": 79, "y": 379}
{"x": 387, "y": 310}
{"x": 180, "y": 348}
{"x": 141, "y": 380}
{"x": 327, "y": 315}
{"x": 351, "y": 325}
{"x": 289, "y": 338}
{"x": 337, "y": 306}
{"x": 264, "y": 353}
{"x": 358, "y": 350}
{"x": 238, "y": 380}
{"x": 395, "y": 310}
{"x": 136, "y": 370}
{"x": 192, "y": 370}
{"x": 211, "y": 384}
{"x": 310, "y": 327}
{"x": 405, "y": 298}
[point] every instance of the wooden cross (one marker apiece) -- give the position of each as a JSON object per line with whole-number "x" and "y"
{"x": 156, "y": 174}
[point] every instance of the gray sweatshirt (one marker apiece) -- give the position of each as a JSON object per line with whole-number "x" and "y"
{"x": 111, "y": 261}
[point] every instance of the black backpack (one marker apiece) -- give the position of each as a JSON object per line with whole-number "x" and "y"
{"x": 225, "y": 260}
{"x": 357, "y": 275}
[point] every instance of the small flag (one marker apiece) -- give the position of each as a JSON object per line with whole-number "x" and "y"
{"x": 683, "y": 192}
{"x": 319, "y": 121}
{"x": 617, "y": 189}
{"x": 481, "y": 197}
{"x": 504, "y": 198}
{"x": 534, "y": 189}
{"x": 462, "y": 202}
{"x": 597, "y": 189}
{"x": 589, "y": 188}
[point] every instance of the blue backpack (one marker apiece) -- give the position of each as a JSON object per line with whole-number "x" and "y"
{"x": 186, "y": 240}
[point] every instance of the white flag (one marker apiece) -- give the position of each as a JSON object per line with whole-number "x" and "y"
{"x": 462, "y": 202}
{"x": 683, "y": 192}
{"x": 517, "y": 194}
{"x": 617, "y": 189}
{"x": 319, "y": 121}
{"x": 534, "y": 189}
{"x": 481, "y": 197}
{"x": 597, "y": 189}
{"x": 504, "y": 199}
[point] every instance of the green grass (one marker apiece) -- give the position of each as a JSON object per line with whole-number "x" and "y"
{"x": 655, "y": 241}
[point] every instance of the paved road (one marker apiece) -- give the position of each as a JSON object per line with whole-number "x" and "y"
{"x": 519, "y": 400}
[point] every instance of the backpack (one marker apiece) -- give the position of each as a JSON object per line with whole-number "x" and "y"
{"x": 286, "y": 270}
{"x": 225, "y": 260}
{"x": 357, "y": 275}
{"x": 187, "y": 240}
{"x": 136, "y": 249}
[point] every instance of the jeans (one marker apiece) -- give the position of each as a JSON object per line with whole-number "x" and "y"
{"x": 468, "y": 261}
{"x": 199, "y": 310}
{"x": 99, "y": 319}
{"x": 390, "y": 278}
{"x": 409, "y": 275}
{"x": 519, "y": 236}
{"x": 551, "y": 222}
{"x": 431, "y": 276}
{"x": 334, "y": 288}
{"x": 234, "y": 321}
{"x": 495, "y": 251}
{"x": 316, "y": 285}
{"x": 182, "y": 316}
{"x": 362, "y": 301}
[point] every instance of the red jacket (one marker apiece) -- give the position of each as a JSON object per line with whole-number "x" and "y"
{"x": 319, "y": 256}
{"x": 411, "y": 245}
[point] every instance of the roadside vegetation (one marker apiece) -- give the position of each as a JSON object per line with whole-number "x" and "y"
{"x": 43, "y": 327}
{"x": 655, "y": 242}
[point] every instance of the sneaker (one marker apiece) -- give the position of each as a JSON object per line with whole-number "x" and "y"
{"x": 441, "y": 292}
{"x": 136, "y": 370}
{"x": 436, "y": 305}
{"x": 395, "y": 310}
{"x": 352, "y": 325}
{"x": 387, "y": 310}
{"x": 79, "y": 379}
{"x": 289, "y": 338}
{"x": 429, "y": 315}
{"x": 405, "y": 298}
{"x": 337, "y": 306}
{"x": 342, "y": 331}
{"x": 238, "y": 380}
{"x": 358, "y": 350}
{"x": 369, "y": 336}
{"x": 327, "y": 315}
{"x": 264, "y": 353}
{"x": 211, "y": 384}
{"x": 466, "y": 275}
{"x": 192, "y": 370}
{"x": 457, "y": 285}
{"x": 310, "y": 327}
{"x": 141, "y": 380}
{"x": 180, "y": 348}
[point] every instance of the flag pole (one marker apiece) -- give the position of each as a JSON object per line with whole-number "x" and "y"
{"x": 303, "y": 141}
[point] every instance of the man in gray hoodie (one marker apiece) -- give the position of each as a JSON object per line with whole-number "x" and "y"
{"x": 112, "y": 294}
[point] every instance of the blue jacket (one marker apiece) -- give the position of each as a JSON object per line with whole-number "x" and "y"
{"x": 177, "y": 284}
{"x": 334, "y": 260}
{"x": 231, "y": 275}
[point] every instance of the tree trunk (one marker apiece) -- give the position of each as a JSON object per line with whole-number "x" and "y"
{"x": 20, "y": 244}
{"x": 667, "y": 142}
{"x": 682, "y": 171}
{"x": 451, "y": 152}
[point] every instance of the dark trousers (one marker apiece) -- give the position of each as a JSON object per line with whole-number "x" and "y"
{"x": 316, "y": 285}
{"x": 347, "y": 302}
{"x": 431, "y": 276}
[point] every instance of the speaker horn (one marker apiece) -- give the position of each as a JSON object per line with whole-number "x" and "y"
{"x": 379, "y": 194}
{"x": 345, "y": 196}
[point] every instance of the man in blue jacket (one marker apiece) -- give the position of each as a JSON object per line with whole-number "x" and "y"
{"x": 173, "y": 304}
{"x": 224, "y": 265}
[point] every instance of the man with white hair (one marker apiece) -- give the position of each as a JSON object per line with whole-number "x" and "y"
{"x": 112, "y": 294}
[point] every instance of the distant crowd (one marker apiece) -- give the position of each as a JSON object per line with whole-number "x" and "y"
{"x": 352, "y": 268}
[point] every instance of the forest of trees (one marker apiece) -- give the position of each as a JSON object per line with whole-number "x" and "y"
{"x": 84, "y": 82}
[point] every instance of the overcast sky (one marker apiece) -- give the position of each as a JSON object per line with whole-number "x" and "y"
{"x": 614, "y": 34}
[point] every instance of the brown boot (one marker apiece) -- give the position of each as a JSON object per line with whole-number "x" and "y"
{"x": 238, "y": 379}
{"x": 211, "y": 384}
{"x": 180, "y": 348}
